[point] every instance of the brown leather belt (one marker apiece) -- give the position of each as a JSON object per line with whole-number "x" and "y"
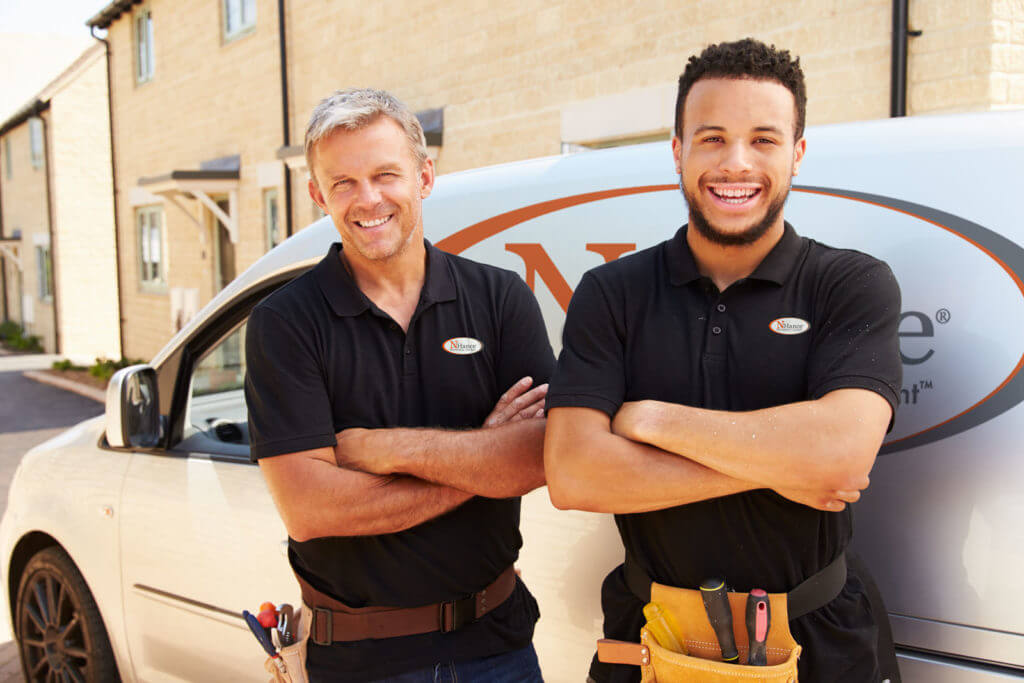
{"x": 334, "y": 621}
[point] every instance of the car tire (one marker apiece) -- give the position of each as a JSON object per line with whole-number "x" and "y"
{"x": 60, "y": 632}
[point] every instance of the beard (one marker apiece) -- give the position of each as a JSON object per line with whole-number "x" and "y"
{"x": 733, "y": 239}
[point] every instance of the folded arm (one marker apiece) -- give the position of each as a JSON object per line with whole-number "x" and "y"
{"x": 590, "y": 468}
{"x": 823, "y": 445}
{"x": 501, "y": 460}
{"x": 495, "y": 462}
{"x": 317, "y": 498}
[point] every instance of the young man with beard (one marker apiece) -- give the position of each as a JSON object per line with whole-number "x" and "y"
{"x": 376, "y": 414}
{"x": 738, "y": 378}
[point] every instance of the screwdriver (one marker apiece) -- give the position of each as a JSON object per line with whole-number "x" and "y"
{"x": 758, "y": 621}
{"x": 261, "y": 635}
{"x": 716, "y": 604}
{"x": 660, "y": 624}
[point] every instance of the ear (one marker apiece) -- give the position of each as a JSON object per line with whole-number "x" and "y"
{"x": 426, "y": 178}
{"x": 315, "y": 194}
{"x": 677, "y": 153}
{"x": 798, "y": 154}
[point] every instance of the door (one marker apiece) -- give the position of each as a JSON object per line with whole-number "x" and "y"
{"x": 201, "y": 539}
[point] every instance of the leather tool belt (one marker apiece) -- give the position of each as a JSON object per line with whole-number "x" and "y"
{"x": 816, "y": 591}
{"x": 333, "y": 621}
{"x": 693, "y": 654}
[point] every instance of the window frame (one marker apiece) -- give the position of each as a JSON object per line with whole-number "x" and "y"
{"x": 44, "y": 272}
{"x": 246, "y": 24}
{"x": 156, "y": 283}
{"x": 272, "y": 218}
{"x": 37, "y": 148}
{"x": 145, "y": 63}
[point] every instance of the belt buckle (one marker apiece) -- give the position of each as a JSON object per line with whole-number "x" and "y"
{"x": 322, "y": 613}
{"x": 455, "y": 614}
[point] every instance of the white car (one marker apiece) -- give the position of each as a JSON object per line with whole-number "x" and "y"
{"x": 132, "y": 542}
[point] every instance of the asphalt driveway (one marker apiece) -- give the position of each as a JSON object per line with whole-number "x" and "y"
{"x": 30, "y": 413}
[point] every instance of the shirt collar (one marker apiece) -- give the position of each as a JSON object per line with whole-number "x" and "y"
{"x": 775, "y": 267}
{"x": 346, "y": 299}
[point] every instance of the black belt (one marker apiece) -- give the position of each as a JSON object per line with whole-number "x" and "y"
{"x": 816, "y": 591}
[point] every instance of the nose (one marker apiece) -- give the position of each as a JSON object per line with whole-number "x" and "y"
{"x": 736, "y": 158}
{"x": 368, "y": 194}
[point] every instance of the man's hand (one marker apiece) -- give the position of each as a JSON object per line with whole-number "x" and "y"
{"x": 834, "y": 502}
{"x": 518, "y": 404}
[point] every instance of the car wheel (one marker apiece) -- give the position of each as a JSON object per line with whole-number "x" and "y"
{"x": 61, "y": 636}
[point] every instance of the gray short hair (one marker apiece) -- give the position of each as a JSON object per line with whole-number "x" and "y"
{"x": 354, "y": 108}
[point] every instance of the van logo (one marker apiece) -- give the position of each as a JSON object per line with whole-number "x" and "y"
{"x": 463, "y": 346}
{"x": 938, "y": 400}
{"x": 789, "y": 326}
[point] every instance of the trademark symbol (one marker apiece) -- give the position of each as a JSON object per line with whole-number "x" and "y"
{"x": 943, "y": 315}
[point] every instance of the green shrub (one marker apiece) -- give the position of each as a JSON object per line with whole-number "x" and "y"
{"x": 30, "y": 343}
{"x": 104, "y": 368}
{"x": 9, "y": 329}
{"x": 65, "y": 364}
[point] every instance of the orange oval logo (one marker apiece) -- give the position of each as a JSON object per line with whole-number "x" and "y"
{"x": 463, "y": 346}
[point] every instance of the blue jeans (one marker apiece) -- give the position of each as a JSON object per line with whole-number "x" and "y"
{"x": 518, "y": 666}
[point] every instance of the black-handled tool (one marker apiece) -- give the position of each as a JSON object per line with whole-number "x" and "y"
{"x": 716, "y": 604}
{"x": 759, "y": 619}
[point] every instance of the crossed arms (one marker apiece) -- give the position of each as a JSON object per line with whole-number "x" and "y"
{"x": 378, "y": 481}
{"x": 655, "y": 455}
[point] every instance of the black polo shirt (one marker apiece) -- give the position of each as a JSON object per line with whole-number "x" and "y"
{"x": 649, "y": 326}
{"x": 321, "y": 358}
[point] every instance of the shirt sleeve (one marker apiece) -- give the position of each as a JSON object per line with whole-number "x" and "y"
{"x": 525, "y": 347}
{"x": 289, "y": 409}
{"x": 591, "y": 368}
{"x": 857, "y": 344}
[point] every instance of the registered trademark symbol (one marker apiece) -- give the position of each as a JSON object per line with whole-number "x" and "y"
{"x": 943, "y": 315}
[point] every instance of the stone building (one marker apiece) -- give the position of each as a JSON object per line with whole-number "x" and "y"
{"x": 210, "y": 99}
{"x": 57, "y": 245}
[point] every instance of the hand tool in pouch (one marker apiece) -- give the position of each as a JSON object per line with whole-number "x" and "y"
{"x": 261, "y": 635}
{"x": 660, "y": 624}
{"x": 716, "y": 604}
{"x": 759, "y": 615}
{"x": 285, "y": 625}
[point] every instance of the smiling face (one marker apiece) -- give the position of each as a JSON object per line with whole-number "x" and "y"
{"x": 736, "y": 157}
{"x": 371, "y": 185}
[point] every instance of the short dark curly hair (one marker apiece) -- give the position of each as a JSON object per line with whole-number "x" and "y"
{"x": 747, "y": 58}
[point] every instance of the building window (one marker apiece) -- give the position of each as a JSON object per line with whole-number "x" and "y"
{"x": 239, "y": 17}
{"x": 151, "y": 260}
{"x": 7, "y": 157}
{"x": 44, "y": 271}
{"x": 35, "y": 138}
{"x": 143, "y": 45}
{"x": 272, "y": 219}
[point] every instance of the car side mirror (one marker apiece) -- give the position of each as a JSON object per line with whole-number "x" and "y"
{"x": 133, "y": 408}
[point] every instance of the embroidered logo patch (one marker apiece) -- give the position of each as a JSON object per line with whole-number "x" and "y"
{"x": 789, "y": 326}
{"x": 463, "y": 346}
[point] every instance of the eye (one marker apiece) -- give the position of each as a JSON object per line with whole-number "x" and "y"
{"x": 712, "y": 138}
{"x": 764, "y": 141}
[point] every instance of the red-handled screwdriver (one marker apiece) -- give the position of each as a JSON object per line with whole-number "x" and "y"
{"x": 759, "y": 617}
{"x": 716, "y": 604}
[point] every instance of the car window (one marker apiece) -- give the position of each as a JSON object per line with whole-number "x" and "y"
{"x": 216, "y": 416}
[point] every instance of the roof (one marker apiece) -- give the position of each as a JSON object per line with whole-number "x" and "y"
{"x": 106, "y": 16}
{"x": 33, "y": 108}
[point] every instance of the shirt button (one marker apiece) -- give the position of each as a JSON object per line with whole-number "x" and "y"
{"x": 721, "y": 308}
{"x": 408, "y": 351}
{"x": 716, "y": 330}
{"x": 393, "y": 326}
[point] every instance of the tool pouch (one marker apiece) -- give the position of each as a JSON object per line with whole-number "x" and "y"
{"x": 290, "y": 667}
{"x": 703, "y": 663}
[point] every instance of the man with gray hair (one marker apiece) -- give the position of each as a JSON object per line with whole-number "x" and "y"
{"x": 377, "y": 416}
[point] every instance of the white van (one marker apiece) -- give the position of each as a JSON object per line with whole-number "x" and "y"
{"x": 174, "y": 532}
